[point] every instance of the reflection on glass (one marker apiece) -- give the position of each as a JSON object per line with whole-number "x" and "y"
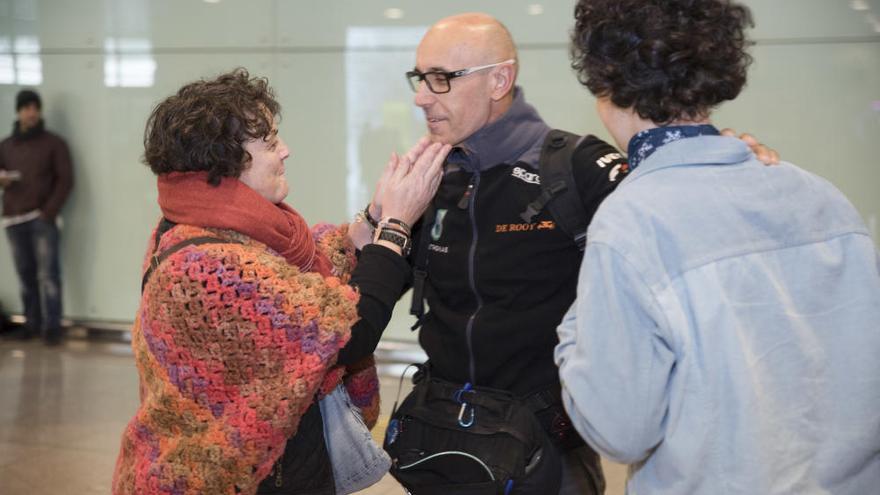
{"x": 874, "y": 22}
{"x": 7, "y": 70}
{"x": 859, "y": 5}
{"x": 128, "y": 63}
{"x": 379, "y": 115}
{"x": 28, "y": 66}
{"x": 393, "y": 13}
{"x": 29, "y": 70}
{"x": 20, "y": 61}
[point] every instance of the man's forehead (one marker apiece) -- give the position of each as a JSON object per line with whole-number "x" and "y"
{"x": 446, "y": 55}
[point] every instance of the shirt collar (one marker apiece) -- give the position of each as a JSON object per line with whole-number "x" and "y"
{"x": 502, "y": 141}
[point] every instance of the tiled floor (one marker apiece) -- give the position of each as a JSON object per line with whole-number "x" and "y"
{"x": 63, "y": 409}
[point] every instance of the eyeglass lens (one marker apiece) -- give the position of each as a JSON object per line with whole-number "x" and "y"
{"x": 437, "y": 82}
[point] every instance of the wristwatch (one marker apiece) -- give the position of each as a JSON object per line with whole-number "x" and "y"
{"x": 396, "y": 237}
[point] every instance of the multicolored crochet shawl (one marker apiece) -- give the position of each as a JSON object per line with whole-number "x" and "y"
{"x": 232, "y": 345}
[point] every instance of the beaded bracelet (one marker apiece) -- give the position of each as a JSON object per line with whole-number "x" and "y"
{"x": 369, "y": 218}
{"x": 359, "y": 217}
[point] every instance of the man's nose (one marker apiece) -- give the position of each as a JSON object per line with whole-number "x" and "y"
{"x": 424, "y": 96}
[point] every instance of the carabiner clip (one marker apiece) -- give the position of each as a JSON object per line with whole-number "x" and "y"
{"x": 461, "y": 414}
{"x": 458, "y": 393}
{"x": 459, "y": 397}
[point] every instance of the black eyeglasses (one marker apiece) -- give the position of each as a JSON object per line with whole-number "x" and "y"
{"x": 439, "y": 81}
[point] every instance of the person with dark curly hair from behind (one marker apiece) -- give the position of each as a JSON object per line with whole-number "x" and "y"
{"x": 725, "y": 336}
{"x": 249, "y": 318}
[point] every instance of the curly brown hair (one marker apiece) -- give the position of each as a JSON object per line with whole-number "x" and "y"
{"x": 666, "y": 59}
{"x": 205, "y": 125}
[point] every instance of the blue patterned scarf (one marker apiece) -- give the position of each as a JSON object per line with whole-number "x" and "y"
{"x": 643, "y": 144}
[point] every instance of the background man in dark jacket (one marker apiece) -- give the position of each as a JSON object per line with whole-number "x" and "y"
{"x": 36, "y": 177}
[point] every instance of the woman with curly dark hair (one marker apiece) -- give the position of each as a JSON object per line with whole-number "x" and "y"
{"x": 249, "y": 318}
{"x": 724, "y": 337}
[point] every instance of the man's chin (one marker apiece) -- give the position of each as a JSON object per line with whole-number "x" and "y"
{"x": 439, "y": 138}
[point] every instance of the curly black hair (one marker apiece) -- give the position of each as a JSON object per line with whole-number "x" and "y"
{"x": 205, "y": 125}
{"x": 666, "y": 59}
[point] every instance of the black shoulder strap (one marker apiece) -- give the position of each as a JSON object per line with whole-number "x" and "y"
{"x": 164, "y": 226}
{"x": 420, "y": 268}
{"x": 559, "y": 192}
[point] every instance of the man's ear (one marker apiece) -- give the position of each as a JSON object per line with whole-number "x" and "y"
{"x": 503, "y": 78}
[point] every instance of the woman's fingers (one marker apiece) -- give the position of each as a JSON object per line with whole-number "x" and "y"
{"x": 393, "y": 161}
{"x": 401, "y": 169}
{"x": 431, "y": 160}
{"x": 439, "y": 159}
{"x": 416, "y": 151}
{"x": 425, "y": 177}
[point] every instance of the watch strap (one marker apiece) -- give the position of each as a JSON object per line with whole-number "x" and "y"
{"x": 395, "y": 236}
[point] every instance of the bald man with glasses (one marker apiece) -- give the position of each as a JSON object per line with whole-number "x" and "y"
{"x": 497, "y": 286}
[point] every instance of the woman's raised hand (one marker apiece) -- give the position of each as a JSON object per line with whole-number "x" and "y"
{"x": 412, "y": 181}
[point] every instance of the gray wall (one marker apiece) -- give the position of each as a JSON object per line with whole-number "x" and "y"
{"x": 813, "y": 94}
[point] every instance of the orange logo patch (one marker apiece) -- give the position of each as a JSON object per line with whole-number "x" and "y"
{"x": 524, "y": 227}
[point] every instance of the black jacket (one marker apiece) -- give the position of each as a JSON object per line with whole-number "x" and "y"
{"x": 497, "y": 286}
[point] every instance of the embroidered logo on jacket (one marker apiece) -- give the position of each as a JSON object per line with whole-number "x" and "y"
{"x": 524, "y": 227}
{"x": 525, "y": 176}
{"x": 621, "y": 168}
{"x": 437, "y": 228}
{"x": 608, "y": 159}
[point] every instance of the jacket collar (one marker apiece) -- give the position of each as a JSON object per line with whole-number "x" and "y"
{"x": 506, "y": 140}
{"x": 30, "y": 133}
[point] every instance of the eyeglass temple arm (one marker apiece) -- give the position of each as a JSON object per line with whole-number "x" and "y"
{"x": 469, "y": 70}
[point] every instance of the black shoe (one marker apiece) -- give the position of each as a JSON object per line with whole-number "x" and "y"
{"x": 53, "y": 339}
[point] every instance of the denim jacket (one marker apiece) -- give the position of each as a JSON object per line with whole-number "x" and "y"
{"x": 726, "y": 333}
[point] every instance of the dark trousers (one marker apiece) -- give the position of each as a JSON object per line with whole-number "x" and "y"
{"x": 35, "y": 252}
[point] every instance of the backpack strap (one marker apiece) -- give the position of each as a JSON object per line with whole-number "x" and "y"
{"x": 420, "y": 268}
{"x": 559, "y": 191}
{"x": 164, "y": 226}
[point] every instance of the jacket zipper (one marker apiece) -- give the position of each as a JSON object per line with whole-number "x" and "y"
{"x": 469, "y": 200}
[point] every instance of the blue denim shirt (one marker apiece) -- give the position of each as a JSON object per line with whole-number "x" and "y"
{"x": 726, "y": 333}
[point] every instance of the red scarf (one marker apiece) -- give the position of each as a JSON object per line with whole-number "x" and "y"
{"x": 187, "y": 198}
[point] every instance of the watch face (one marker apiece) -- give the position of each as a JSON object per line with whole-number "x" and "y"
{"x": 395, "y": 237}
